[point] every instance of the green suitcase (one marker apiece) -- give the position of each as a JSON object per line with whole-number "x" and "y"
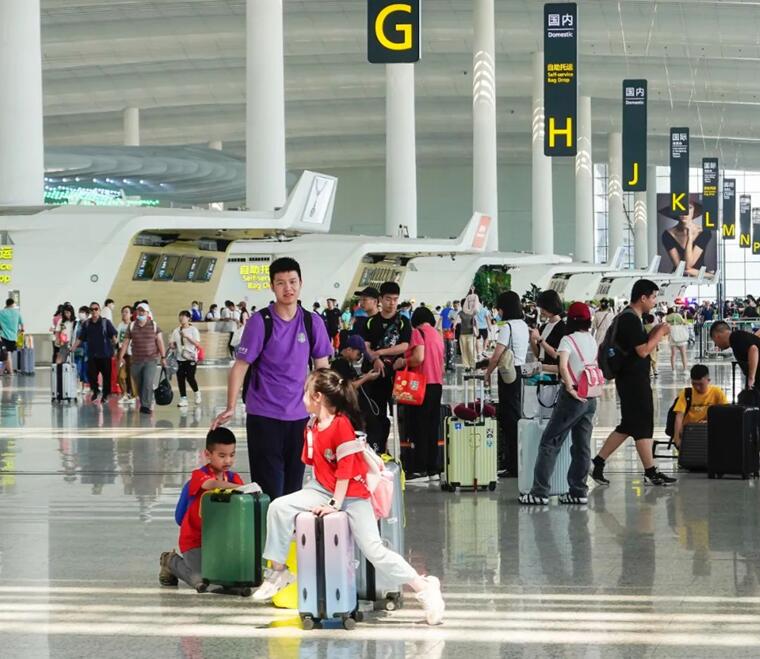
{"x": 234, "y": 529}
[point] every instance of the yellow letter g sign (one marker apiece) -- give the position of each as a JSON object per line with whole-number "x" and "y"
{"x": 404, "y": 28}
{"x": 393, "y": 31}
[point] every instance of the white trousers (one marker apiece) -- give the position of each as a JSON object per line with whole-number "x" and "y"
{"x": 281, "y": 523}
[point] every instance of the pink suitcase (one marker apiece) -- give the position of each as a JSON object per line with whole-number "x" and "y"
{"x": 326, "y": 570}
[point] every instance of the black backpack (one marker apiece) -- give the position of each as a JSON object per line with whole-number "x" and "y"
{"x": 670, "y": 423}
{"x": 266, "y": 317}
{"x": 611, "y": 356}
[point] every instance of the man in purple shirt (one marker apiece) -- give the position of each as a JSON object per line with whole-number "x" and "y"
{"x": 276, "y": 415}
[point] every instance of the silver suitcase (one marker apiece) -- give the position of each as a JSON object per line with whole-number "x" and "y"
{"x": 64, "y": 383}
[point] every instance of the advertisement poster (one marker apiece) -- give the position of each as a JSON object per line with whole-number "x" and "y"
{"x": 683, "y": 238}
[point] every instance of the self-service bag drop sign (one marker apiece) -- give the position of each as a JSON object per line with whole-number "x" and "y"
{"x": 560, "y": 79}
{"x": 393, "y": 31}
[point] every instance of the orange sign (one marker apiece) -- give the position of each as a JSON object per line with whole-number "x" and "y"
{"x": 479, "y": 240}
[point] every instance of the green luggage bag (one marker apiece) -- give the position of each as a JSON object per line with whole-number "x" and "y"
{"x": 234, "y": 528}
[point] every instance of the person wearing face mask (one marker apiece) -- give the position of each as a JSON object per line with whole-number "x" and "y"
{"x": 545, "y": 340}
{"x": 99, "y": 334}
{"x": 128, "y": 389}
{"x": 144, "y": 336}
{"x": 195, "y": 312}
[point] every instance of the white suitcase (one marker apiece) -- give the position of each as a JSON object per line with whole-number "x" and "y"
{"x": 64, "y": 383}
{"x": 529, "y": 434}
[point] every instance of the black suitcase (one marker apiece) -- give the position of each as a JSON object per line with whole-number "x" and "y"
{"x": 732, "y": 441}
{"x": 693, "y": 452}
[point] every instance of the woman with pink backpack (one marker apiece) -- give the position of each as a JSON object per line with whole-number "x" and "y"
{"x": 574, "y": 412}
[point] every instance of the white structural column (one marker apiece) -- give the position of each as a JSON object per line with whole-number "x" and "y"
{"x": 485, "y": 186}
{"x": 216, "y": 145}
{"x": 22, "y": 158}
{"x": 542, "y": 215}
{"x": 615, "y": 212}
{"x": 265, "y": 106}
{"x": 132, "y": 127}
{"x": 400, "y": 152}
{"x": 640, "y": 246}
{"x": 584, "y": 186}
{"x": 652, "y": 211}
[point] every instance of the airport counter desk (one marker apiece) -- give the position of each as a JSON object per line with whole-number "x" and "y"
{"x": 214, "y": 342}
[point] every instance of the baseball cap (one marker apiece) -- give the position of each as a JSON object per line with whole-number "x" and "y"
{"x": 390, "y": 288}
{"x": 368, "y": 292}
{"x": 356, "y": 342}
{"x": 579, "y": 311}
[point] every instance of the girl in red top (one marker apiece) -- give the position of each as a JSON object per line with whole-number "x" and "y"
{"x": 337, "y": 485}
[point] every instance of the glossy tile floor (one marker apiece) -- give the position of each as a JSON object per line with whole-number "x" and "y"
{"x": 86, "y": 502}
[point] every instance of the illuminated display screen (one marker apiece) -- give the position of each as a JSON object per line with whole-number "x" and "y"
{"x": 166, "y": 267}
{"x": 187, "y": 268}
{"x": 146, "y": 266}
{"x": 205, "y": 269}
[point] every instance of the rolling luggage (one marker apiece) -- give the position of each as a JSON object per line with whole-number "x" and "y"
{"x": 64, "y": 383}
{"x": 407, "y": 453}
{"x": 732, "y": 441}
{"x": 529, "y": 433}
{"x": 376, "y": 587}
{"x": 693, "y": 452}
{"x": 326, "y": 570}
{"x": 470, "y": 452}
{"x": 234, "y": 532}
{"x": 25, "y": 361}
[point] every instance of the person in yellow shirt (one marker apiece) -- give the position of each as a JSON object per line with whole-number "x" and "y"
{"x": 703, "y": 395}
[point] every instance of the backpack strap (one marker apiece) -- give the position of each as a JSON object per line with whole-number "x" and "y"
{"x": 349, "y": 448}
{"x": 687, "y": 395}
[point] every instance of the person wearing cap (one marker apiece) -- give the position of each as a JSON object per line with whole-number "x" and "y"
{"x": 571, "y": 415}
{"x": 353, "y": 355}
{"x": 447, "y": 331}
{"x": 99, "y": 334}
{"x": 144, "y": 336}
{"x": 387, "y": 335}
{"x": 369, "y": 299}
{"x": 331, "y": 316}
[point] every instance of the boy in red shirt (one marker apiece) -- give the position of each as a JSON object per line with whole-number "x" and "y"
{"x": 220, "y": 456}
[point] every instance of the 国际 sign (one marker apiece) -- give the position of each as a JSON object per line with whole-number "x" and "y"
{"x": 560, "y": 79}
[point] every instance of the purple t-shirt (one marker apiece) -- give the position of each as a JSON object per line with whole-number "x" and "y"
{"x": 283, "y": 367}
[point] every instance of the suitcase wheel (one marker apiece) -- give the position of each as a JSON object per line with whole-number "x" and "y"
{"x": 491, "y": 487}
{"x": 308, "y": 623}
{"x": 246, "y": 592}
{"x": 349, "y": 623}
{"x": 358, "y": 616}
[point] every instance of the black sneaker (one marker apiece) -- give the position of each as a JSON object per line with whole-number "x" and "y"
{"x": 145, "y": 410}
{"x": 658, "y": 478}
{"x": 94, "y": 396}
{"x": 597, "y": 474}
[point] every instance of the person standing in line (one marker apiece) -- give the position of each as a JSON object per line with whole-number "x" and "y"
{"x": 64, "y": 335}
{"x": 276, "y": 414}
{"x": 126, "y": 384}
{"x": 545, "y": 340}
{"x": 467, "y": 327}
{"x": 571, "y": 413}
{"x": 387, "y": 335}
{"x": 107, "y": 311}
{"x": 80, "y": 354}
{"x": 195, "y": 311}
{"x": 483, "y": 321}
{"x": 513, "y": 335}
{"x": 213, "y": 313}
{"x": 331, "y": 316}
{"x": 369, "y": 300}
{"x": 99, "y": 334}
{"x": 425, "y": 356}
{"x": 602, "y": 320}
{"x": 633, "y": 385}
{"x": 11, "y": 325}
{"x": 185, "y": 341}
{"x": 447, "y": 331}
{"x": 147, "y": 343}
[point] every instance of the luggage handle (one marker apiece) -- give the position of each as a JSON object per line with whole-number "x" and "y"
{"x": 479, "y": 377}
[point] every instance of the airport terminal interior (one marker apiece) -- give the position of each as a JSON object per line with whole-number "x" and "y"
{"x": 494, "y": 166}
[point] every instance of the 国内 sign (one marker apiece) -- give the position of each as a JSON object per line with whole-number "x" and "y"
{"x": 560, "y": 79}
{"x": 634, "y": 135}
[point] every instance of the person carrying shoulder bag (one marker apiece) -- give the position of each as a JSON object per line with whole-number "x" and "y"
{"x": 185, "y": 341}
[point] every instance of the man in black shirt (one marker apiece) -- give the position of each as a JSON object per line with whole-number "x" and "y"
{"x": 387, "y": 336}
{"x": 368, "y": 301}
{"x": 99, "y": 334}
{"x": 746, "y": 347}
{"x": 633, "y": 386}
{"x": 331, "y": 316}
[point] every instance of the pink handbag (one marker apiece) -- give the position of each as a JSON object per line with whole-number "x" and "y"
{"x": 591, "y": 383}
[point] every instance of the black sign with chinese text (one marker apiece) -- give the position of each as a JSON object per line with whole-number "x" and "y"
{"x": 728, "y": 225}
{"x": 745, "y": 221}
{"x": 710, "y": 175}
{"x": 679, "y": 171}
{"x": 560, "y": 79}
{"x": 634, "y": 135}
{"x": 393, "y": 31}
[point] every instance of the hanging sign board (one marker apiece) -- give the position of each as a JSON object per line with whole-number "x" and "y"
{"x": 745, "y": 218}
{"x": 756, "y": 230}
{"x": 393, "y": 31}
{"x": 710, "y": 194}
{"x": 560, "y": 78}
{"x": 634, "y": 135}
{"x": 679, "y": 171}
{"x": 728, "y": 226}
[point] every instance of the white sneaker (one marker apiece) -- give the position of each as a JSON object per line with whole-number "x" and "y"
{"x": 432, "y": 601}
{"x": 198, "y": 398}
{"x": 182, "y": 401}
{"x": 434, "y": 478}
{"x": 274, "y": 582}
